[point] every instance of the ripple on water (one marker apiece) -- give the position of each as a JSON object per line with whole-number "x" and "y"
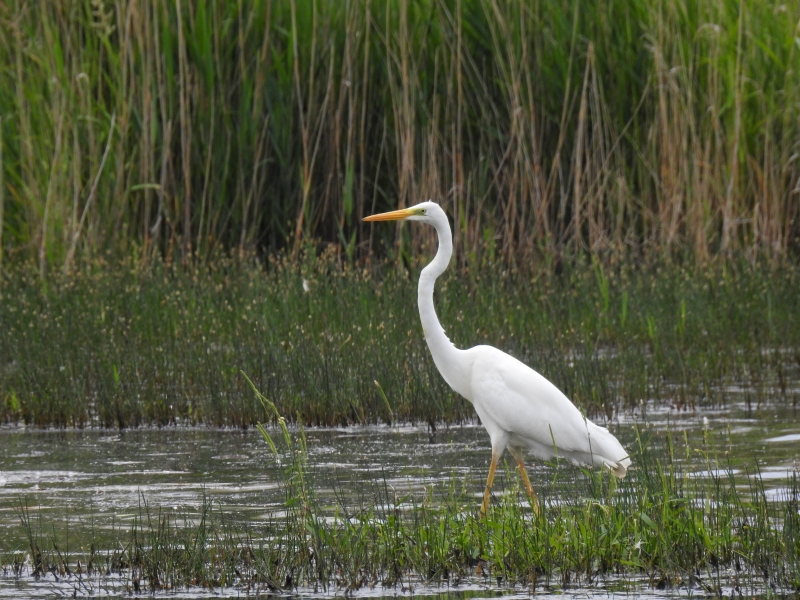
{"x": 789, "y": 437}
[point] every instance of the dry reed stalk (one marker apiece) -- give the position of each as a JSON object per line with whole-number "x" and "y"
{"x": 540, "y": 201}
{"x": 310, "y": 132}
{"x": 580, "y": 151}
{"x": 342, "y": 169}
{"x": 362, "y": 127}
{"x": 51, "y": 183}
{"x": 92, "y": 194}
{"x": 186, "y": 136}
{"x": 402, "y": 81}
{"x": 602, "y": 166}
{"x": 143, "y": 37}
{"x": 25, "y": 134}
{"x": 728, "y": 218}
{"x": 207, "y": 178}
{"x": 2, "y": 195}
{"x": 304, "y": 127}
{"x": 460, "y": 199}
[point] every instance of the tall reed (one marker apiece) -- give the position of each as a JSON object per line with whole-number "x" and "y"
{"x": 546, "y": 128}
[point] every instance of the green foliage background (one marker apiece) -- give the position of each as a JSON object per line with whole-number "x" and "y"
{"x": 547, "y": 128}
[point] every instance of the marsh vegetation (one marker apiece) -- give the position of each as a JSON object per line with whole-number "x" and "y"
{"x": 124, "y": 347}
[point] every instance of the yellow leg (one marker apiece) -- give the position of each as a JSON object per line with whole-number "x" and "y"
{"x": 489, "y": 481}
{"x": 534, "y": 500}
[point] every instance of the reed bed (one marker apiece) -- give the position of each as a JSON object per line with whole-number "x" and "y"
{"x": 121, "y": 345}
{"x": 548, "y": 129}
{"x": 659, "y": 527}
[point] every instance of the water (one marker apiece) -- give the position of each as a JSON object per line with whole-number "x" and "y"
{"x": 102, "y": 477}
{"x": 610, "y": 590}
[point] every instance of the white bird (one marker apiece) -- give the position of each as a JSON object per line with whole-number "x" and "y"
{"x": 519, "y": 408}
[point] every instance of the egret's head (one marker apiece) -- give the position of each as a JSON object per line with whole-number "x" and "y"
{"x": 427, "y": 212}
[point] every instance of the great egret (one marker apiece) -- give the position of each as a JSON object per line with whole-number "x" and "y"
{"x": 519, "y": 408}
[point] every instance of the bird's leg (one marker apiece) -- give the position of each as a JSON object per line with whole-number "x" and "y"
{"x": 534, "y": 500}
{"x": 492, "y": 467}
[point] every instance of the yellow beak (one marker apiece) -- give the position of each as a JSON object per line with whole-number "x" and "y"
{"x": 391, "y": 216}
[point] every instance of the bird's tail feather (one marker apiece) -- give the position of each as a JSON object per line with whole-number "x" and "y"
{"x": 607, "y": 450}
{"x": 619, "y": 468}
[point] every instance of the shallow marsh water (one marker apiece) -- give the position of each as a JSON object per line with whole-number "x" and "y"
{"x": 88, "y": 477}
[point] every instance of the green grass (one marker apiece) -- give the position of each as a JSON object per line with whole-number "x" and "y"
{"x": 122, "y": 346}
{"x": 659, "y": 527}
{"x": 549, "y": 129}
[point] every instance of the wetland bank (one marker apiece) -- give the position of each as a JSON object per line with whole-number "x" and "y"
{"x": 181, "y": 192}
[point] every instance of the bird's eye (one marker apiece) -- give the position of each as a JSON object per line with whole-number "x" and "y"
{"x": 422, "y": 211}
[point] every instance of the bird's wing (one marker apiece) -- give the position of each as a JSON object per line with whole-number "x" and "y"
{"x": 516, "y": 399}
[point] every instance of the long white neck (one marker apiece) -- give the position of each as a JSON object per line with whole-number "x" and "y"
{"x": 449, "y": 360}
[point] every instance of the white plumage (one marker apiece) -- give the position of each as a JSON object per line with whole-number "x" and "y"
{"x": 520, "y": 409}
